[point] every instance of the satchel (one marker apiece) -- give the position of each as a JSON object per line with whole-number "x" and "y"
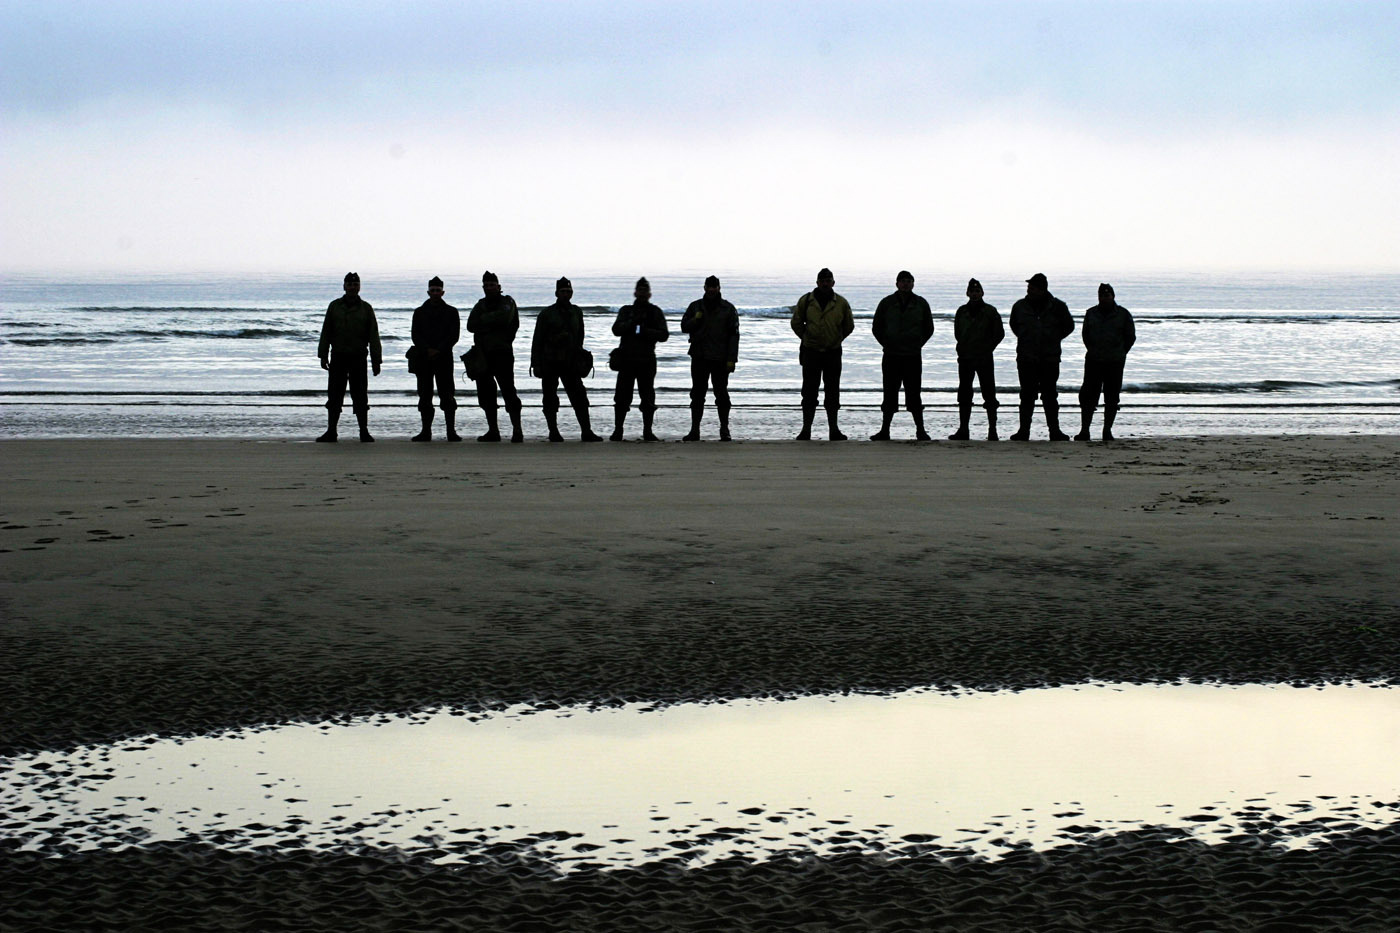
{"x": 615, "y": 360}
{"x": 415, "y": 359}
{"x": 583, "y": 363}
{"x": 474, "y": 362}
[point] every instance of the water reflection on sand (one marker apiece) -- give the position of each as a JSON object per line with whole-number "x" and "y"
{"x": 975, "y": 773}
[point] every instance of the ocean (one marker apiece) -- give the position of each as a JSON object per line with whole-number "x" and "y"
{"x": 235, "y": 355}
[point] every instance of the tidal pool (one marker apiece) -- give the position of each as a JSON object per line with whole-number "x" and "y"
{"x": 956, "y": 774}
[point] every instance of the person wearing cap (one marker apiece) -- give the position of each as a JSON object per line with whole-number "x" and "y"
{"x": 640, "y": 327}
{"x": 349, "y": 334}
{"x": 1108, "y": 334}
{"x": 554, "y": 358}
{"x": 822, "y": 319}
{"x": 493, "y": 323}
{"x": 713, "y": 326}
{"x": 436, "y": 327}
{"x": 1039, "y": 321}
{"x": 977, "y": 330}
{"x": 903, "y": 324}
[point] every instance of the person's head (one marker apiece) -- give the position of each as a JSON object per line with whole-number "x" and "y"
{"x": 712, "y": 286}
{"x": 904, "y": 282}
{"x": 643, "y": 290}
{"x": 435, "y": 287}
{"x": 352, "y": 283}
{"x": 490, "y": 284}
{"x": 825, "y": 279}
{"x": 1106, "y": 294}
{"x": 563, "y": 289}
{"x": 1037, "y": 285}
{"x": 974, "y": 289}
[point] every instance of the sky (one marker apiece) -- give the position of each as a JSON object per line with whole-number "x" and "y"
{"x": 614, "y": 136}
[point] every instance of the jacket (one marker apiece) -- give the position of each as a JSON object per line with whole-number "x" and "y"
{"x": 822, "y": 328}
{"x": 640, "y": 346}
{"x": 714, "y": 332}
{"x": 977, "y": 329}
{"x": 1039, "y": 327}
{"x": 349, "y": 330}
{"x": 493, "y": 322}
{"x": 903, "y": 324}
{"x": 558, "y": 337}
{"x": 436, "y": 326}
{"x": 1108, "y": 333}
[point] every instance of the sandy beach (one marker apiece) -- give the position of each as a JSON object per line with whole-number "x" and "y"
{"x": 178, "y": 587}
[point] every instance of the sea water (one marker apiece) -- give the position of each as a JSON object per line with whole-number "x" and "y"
{"x": 235, "y": 355}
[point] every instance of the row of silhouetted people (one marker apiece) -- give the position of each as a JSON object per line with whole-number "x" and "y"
{"x": 821, "y": 318}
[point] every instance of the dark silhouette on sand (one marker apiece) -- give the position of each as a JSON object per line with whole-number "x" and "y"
{"x": 641, "y": 326}
{"x": 436, "y": 327}
{"x": 713, "y": 326}
{"x": 977, "y": 330}
{"x": 822, "y": 319}
{"x": 1108, "y": 334}
{"x": 349, "y": 334}
{"x": 493, "y": 323}
{"x": 903, "y": 324}
{"x": 1039, "y": 321}
{"x": 555, "y": 356}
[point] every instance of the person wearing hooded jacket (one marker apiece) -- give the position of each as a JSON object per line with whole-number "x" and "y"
{"x": 554, "y": 357}
{"x": 1108, "y": 335}
{"x": 713, "y": 326}
{"x": 903, "y": 324}
{"x": 349, "y": 334}
{"x": 1039, "y": 321}
{"x": 493, "y": 323}
{"x": 823, "y": 320}
{"x": 977, "y": 329}
{"x": 436, "y": 327}
{"x": 639, "y": 326}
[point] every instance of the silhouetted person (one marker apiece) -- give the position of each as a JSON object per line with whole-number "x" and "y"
{"x": 903, "y": 324}
{"x": 493, "y": 323}
{"x": 1039, "y": 321}
{"x": 436, "y": 327}
{"x": 349, "y": 334}
{"x": 641, "y": 326}
{"x": 1108, "y": 334}
{"x": 822, "y": 319}
{"x": 977, "y": 329}
{"x": 713, "y": 326}
{"x": 554, "y": 358}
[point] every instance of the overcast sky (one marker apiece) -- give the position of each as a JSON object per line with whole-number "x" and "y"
{"x": 666, "y": 136}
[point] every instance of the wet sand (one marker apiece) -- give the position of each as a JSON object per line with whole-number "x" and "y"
{"x": 175, "y": 587}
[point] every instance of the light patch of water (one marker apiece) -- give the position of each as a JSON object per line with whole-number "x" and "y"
{"x": 973, "y": 774}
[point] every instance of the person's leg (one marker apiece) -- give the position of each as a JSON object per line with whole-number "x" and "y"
{"x": 967, "y": 368}
{"x": 486, "y": 398}
{"x": 359, "y": 396}
{"x": 336, "y": 378}
{"x": 549, "y": 402}
{"x": 811, "y": 380}
{"x": 699, "y": 385}
{"x": 646, "y": 387}
{"x": 1050, "y": 397}
{"x": 889, "y": 395}
{"x": 719, "y": 376}
{"x": 831, "y": 377}
{"x": 425, "y": 404}
{"x": 987, "y": 383}
{"x": 445, "y": 374}
{"x": 1112, "y": 390}
{"x": 505, "y": 376}
{"x": 1088, "y": 397}
{"x": 911, "y": 374}
{"x": 622, "y": 401}
{"x": 1027, "y": 373}
{"x": 578, "y": 400}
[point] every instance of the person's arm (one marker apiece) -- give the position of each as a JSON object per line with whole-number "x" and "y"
{"x": 733, "y": 338}
{"x": 925, "y": 323}
{"x": 999, "y": 330}
{"x": 577, "y": 327}
{"x": 1129, "y": 332}
{"x": 656, "y": 327}
{"x": 690, "y": 318}
{"x": 1066, "y": 320}
{"x": 621, "y": 322}
{"x": 1016, "y": 322}
{"x": 514, "y": 319}
{"x": 848, "y": 320}
{"x": 323, "y": 348}
{"x": 473, "y": 317}
{"x": 877, "y": 323}
{"x": 454, "y": 327}
{"x": 376, "y": 352}
{"x": 799, "y": 317}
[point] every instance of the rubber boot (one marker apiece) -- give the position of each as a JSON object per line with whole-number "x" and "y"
{"x": 551, "y": 419}
{"x": 833, "y": 432}
{"x": 493, "y": 431}
{"x": 1024, "y": 434}
{"x": 992, "y": 425}
{"x": 885, "y": 418}
{"x": 330, "y": 437}
{"x": 1052, "y": 422}
{"x": 696, "y": 413}
{"x": 363, "y": 418}
{"x": 920, "y": 434}
{"x": 723, "y": 423}
{"x": 585, "y": 424}
{"x": 516, "y": 435}
{"x": 1086, "y": 418}
{"x": 808, "y": 414}
{"x": 1109, "y": 414}
{"x": 646, "y": 426}
{"x": 619, "y": 416}
{"x": 450, "y": 419}
{"x": 427, "y": 433}
{"x": 964, "y": 416}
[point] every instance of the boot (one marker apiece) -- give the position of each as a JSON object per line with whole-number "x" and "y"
{"x": 992, "y": 425}
{"x": 450, "y": 417}
{"x": 619, "y": 416}
{"x": 516, "y": 435}
{"x": 833, "y": 432}
{"x": 723, "y": 423}
{"x": 1052, "y": 422}
{"x": 1086, "y": 418}
{"x": 427, "y": 433}
{"x": 330, "y": 436}
{"x": 363, "y": 418}
{"x": 585, "y": 423}
{"x": 646, "y": 426}
{"x": 884, "y": 433}
{"x": 964, "y": 416}
{"x": 808, "y": 414}
{"x": 696, "y": 413}
{"x": 1024, "y": 434}
{"x": 493, "y": 431}
{"x": 1109, "y": 414}
{"x": 919, "y": 433}
{"x": 551, "y": 418}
